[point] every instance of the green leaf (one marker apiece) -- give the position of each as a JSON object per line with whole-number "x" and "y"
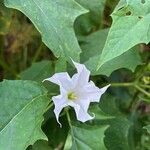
{"x": 38, "y": 71}
{"x": 131, "y": 26}
{"x": 22, "y": 105}
{"x": 88, "y": 137}
{"x": 54, "y": 20}
{"x": 41, "y": 145}
{"x": 92, "y": 47}
{"x": 117, "y": 135}
{"x": 68, "y": 143}
{"x": 61, "y": 65}
{"x": 56, "y": 135}
{"x": 92, "y": 20}
{"x": 99, "y": 114}
{"x": 93, "y": 44}
{"x": 147, "y": 128}
{"x": 96, "y": 6}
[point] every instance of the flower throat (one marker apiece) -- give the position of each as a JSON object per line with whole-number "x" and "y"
{"x": 72, "y": 96}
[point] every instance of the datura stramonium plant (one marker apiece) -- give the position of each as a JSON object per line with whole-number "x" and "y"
{"x": 77, "y": 92}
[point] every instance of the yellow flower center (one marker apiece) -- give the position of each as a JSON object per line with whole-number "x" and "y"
{"x": 72, "y": 96}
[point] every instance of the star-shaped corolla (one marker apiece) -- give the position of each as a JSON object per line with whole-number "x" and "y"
{"x": 77, "y": 92}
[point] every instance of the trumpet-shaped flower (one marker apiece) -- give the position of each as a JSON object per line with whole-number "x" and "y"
{"x": 77, "y": 92}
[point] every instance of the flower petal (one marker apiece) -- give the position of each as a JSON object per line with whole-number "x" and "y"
{"x": 61, "y": 79}
{"x": 82, "y": 77}
{"x": 92, "y": 92}
{"x": 60, "y": 102}
{"x": 81, "y": 107}
{"x": 95, "y": 93}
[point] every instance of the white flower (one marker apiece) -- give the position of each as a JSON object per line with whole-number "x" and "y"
{"x": 76, "y": 92}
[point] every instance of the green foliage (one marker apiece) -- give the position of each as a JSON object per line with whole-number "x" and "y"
{"x": 117, "y": 135}
{"x": 21, "y": 114}
{"x": 111, "y": 37}
{"x": 38, "y": 71}
{"x": 57, "y": 29}
{"x": 88, "y": 137}
{"x": 92, "y": 48}
{"x": 41, "y": 145}
{"x": 99, "y": 114}
{"x": 128, "y": 19}
{"x": 90, "y": 21}
{"x": 147, "y": 128}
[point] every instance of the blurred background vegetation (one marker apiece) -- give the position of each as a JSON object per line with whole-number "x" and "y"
{"x": 20, "y": 43}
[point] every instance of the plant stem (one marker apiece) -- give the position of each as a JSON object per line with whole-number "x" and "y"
{"x": 122, "y": 84}
{"x": 68, "y": 118}
{"x": 37, "y": 53}
{"x": 141, "y": 90}
{"x": 52, "y": 94}
{"x": 133, "y": 84}
{"x": 49, "y": 106}
{"x": 144, "y": 86}
{"x": 25, "y": 55}
{"x": 69, "y": 122}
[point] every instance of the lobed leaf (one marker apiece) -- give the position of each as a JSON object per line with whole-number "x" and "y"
{"x": 23, "y": 104}
{"x": 92, "y": 48}
{"x": 54, "y": 20}
{"x": 87, "y": 137}
{"x": 131, "y": 26}
{"x": 117, "y": 135}
{"x": 38, "y": 71}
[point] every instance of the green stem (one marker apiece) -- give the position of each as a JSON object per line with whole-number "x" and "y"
{"x": 52, "y": 94}
{"x": 49, "y": 106}
{"x": 37, "y": 53}
{"x": 144, "y": 86}
{"x": 141, "y": 90}
{"x": 122, "y": 84}
{"x": 144, "y": 99}
{"x": 68, "y": 118}
{"x": 133, "y": 84}
{"x": 129, "y": 84}
{"x": 69, "y": 122}
{"x": 25, "y": 55}
{"x": 133, "y": 104}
